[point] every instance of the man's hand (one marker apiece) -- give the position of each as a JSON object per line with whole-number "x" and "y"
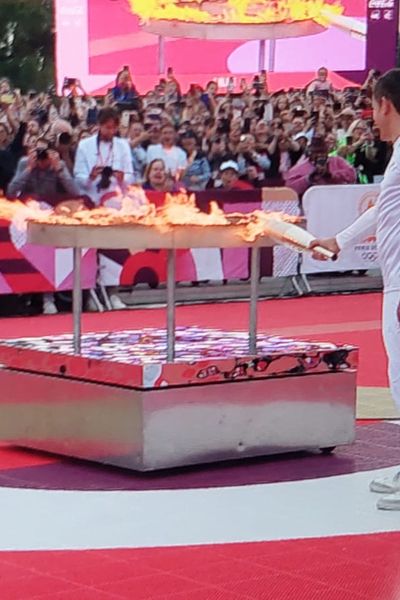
{"x": 119, "y": 176}
{"x": 327, "y": 243}
{"x": 32, "y": 160}
{"x": 55, "y": 161}
{"x": 95, "y": 172}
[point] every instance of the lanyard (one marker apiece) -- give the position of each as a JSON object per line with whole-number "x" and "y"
{"x": 110, "y": 156}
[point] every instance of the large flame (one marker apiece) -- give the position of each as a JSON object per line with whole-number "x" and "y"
{"x": 178, "y": 210}
{"x": 237, "y": 11}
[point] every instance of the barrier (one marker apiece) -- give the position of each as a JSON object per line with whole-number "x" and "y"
{"x": 328, "y": 210}
{"x": 122, "y": 267}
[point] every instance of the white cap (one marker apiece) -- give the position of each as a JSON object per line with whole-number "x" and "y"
{"x": 229, "y": 164}
{"x": 300, "y": 135}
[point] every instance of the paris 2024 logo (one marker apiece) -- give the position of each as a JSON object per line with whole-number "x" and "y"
{"x": 366, "y": 248}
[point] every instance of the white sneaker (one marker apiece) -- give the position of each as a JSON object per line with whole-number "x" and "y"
{"x": 386, "y": 485}
{"x": 49, "y": 307}
{"x": 117, "y": 303}
{"x": 391, "y": 502}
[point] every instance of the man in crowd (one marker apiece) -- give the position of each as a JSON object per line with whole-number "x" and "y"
{"x": 317, "y": 168}
{"x": 174, "y": 157}
{"x": 229, "y": 177}
{"x": 44, "y": 176}
{"x": 103, "y": 163}
{"x": 104, "y": 169}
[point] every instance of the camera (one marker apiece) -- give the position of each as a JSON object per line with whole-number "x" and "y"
{"x": 321, "y": 161}
{"x": 42, "y": 154}
{"x": 105, "y": 178}
{"x": 69, "y": 82}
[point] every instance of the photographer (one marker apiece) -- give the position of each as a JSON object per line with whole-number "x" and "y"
{"x": 44, "y": 176}
{"x": 318, "y": 169}
{"x": 103, "y": 161}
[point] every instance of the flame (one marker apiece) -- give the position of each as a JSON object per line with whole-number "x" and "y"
{"x": 20, "y": 212}
{"x": 237, "y": 11}
{"x": 181, "y": 209}
{"x": 261, "y": 223}
{"x": 178, "y": 210}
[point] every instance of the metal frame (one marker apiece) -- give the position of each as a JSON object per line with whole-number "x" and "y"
{"x": 171, "y": 300}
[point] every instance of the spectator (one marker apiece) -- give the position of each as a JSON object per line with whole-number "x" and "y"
{"x": 137, "y": 137}
{"x": 319, "y": 169}
{"x": 157, "y": 179}
{"x": 346, "y": 118}
{"x": 321, "y": 86}
{"x": 248, "y": 156}
{"x": 371, "y": 156}
{"x": 198, "y": 172}
{"x": 124, "y": 91}
{"x": 66, "y": 149}
{"x": 229, "y": 177}
{"x": 174, "y": 157}
{"x": 104, "y": 162}
{"x": 43, "y": 176}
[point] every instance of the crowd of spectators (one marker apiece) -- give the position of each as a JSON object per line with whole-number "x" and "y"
{"x": 200, "y": 139}
{"x": 58, "y": 148}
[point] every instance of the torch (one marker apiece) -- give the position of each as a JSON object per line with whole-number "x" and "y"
{"x": 293, "y": 236}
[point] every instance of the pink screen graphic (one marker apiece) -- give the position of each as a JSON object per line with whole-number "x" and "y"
{"x": 97, "y": 37}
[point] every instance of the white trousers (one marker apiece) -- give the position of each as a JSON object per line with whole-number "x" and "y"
{"x": 391, "y": 338}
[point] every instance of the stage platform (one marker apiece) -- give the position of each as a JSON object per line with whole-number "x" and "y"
{"x": 120, "y": 401}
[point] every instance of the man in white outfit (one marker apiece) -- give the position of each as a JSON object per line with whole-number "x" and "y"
{"x": 385, "y": 217}
{"x": 104, "y": 169}
{"x": 103, "y": 161}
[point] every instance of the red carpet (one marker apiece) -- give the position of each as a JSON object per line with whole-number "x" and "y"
{"x": 364, "y": 567}
{"x": 351, "y": 319}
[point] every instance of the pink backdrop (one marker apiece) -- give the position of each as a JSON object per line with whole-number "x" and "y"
{"x": 97, "y": 37}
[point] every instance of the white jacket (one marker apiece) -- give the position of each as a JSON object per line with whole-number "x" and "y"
{"x": 118, "y": 157}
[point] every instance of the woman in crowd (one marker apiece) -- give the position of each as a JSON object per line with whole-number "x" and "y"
{"x": 198, "y": 172}
{"x": 156, "y": 178}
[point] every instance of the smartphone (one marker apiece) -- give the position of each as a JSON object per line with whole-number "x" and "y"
{"x": 125, "y": 117}
{"x": 246, "y": 126}
{"x": 7, "y": 99}
{"x": 349, "y": 140}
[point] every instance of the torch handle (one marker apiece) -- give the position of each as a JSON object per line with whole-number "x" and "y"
{"x": 327, "y": 253}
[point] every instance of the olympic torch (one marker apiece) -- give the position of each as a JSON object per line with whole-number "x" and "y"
{"x": 293, "y": 236}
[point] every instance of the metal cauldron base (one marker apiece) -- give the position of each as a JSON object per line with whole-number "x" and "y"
{"x": 162, "y": 415}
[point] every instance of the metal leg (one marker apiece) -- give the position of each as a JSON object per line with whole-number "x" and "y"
{"x": 306, "y": 283}
{"x": 261, "y": 55}
{"x": 106, "y": 297}
{"x": 272, "y": 52}
{"x": 297, "y": 286}
{"x": 171, "y": 306}
{"x": 95, "y": 298}
{"x": 77, "y": 300}
{"x": 161, "y": 55}
{"x": 254, "y": 287}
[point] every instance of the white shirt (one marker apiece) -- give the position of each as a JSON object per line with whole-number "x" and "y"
{"x": 90, "y": 154}
{"x": 174, "y": 158}
{"x": 385, "y": 217}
